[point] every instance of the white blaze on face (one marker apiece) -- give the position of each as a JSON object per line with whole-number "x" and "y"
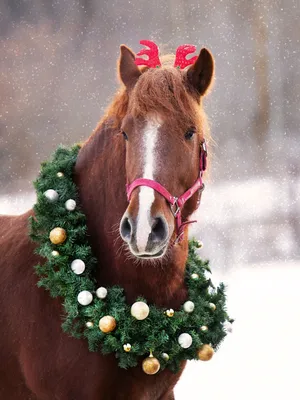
{"x": 146, "y": 195}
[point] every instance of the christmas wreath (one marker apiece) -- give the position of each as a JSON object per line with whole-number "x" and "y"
{"x": 102, "y": 315}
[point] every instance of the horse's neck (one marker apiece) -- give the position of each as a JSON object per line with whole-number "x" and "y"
{"x": 100, "y": 176}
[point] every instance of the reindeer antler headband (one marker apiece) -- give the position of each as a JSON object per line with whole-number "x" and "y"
{"x": 153, "y": 58}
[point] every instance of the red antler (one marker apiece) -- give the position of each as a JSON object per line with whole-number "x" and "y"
{"x": 152, "y": 53}
{"x": 181, "y": 53}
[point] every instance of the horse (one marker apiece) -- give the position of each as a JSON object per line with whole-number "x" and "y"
{"x": 152, "y": 130}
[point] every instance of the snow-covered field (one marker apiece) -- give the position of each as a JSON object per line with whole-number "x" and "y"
{"x": 259, "y": 360}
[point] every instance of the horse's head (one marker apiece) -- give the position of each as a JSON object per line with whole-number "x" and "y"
{"x": 163, "y": 130}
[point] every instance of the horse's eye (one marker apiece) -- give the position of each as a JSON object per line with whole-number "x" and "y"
{"x": 189, "y": 134}
{"x": 125, "y": 135}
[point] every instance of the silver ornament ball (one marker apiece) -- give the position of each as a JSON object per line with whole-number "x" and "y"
{"x": 51, "y": 195}
{"x": 85, "y": 298}
{"x": 189, "y": 306}
{"x": 228, "y": 326}
{"x": 78, "y": 266}
{"x": 101, "y": 292}
{"x": 140, "y": 310}
{"x": 70, "y": 205}
{"x": 185, "y": 340}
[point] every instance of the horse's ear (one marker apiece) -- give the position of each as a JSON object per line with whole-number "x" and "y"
{"x": 128, "y": 71}
{"x": 200, "y": 74}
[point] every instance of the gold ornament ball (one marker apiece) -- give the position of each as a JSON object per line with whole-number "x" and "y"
{"x": 205, "y": 352}
{"x": 170, "y": 312}
{"x": 58, "y": 235}
{"x": 107, "y": 324}
{"x": 127, "y": 347}
{"x": 212, "y": 306}
{"x": 151, "y": 365}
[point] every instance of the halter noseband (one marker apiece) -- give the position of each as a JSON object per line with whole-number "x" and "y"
{"x": 176, "y": 203}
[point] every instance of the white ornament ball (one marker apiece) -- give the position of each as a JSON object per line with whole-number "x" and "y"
{"x": 89, "y": 324}
{"x": 188, "y": 306}
{"x": 195, "y": 276}
{"x": 55, "y": 253}
{"x": 78, "y": 266}
{"x": 207, "y": 274}
{"x": 228, "y": 326}
{"x": 165, "y": 356}
{"x": 51, "y": 194}
{"x": 70, "y": 205}
{"x": 60, "y": 175}
{"x": 85, "y": 298}
{"x": 204, "y": 328}
{"x": 101, "y": 292}
{"x": 140, "y": 310}
{"x": 185, "y": 340}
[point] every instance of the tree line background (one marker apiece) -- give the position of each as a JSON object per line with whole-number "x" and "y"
{"x": 58, "y": 62}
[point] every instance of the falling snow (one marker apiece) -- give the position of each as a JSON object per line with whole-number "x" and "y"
{"x": 58, "y": 73}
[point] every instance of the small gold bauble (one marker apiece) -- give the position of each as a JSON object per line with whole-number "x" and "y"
{"x": 204, "y": 328}
{"x": 107, "y": 324}
{"x": 58, "y": 235}
{"x": 170, "y": 312}
{"x": 60, "y": 175}
{"x": 55, "y": 253}
{"x": 195, "y": 276}
{"x": 89, "y": 325}
{"x": 127, "y": 347}
{"x": 212, "y": 306}
{"x": 151, "y": 365}
{"x": 205, "y": 352}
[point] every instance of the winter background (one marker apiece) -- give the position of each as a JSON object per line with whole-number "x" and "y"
{"x": 58, "y": 74}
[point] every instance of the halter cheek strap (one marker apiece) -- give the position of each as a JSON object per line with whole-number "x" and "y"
{"x": 176, "y": 203}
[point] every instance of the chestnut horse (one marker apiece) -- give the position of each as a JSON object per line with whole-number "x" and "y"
{"x": 153, "y": 129}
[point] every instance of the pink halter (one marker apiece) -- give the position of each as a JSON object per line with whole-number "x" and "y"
{"x": 176, "y": 203}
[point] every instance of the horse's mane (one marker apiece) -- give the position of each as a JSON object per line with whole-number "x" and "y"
{"x": 162, "y": 90}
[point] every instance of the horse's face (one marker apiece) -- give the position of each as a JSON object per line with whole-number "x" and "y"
{"x": 162, "y": 131}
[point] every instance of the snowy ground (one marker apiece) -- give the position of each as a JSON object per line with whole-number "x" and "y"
{"x": 259, "y": 360}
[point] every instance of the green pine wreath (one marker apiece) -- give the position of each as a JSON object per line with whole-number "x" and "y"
{"x": 203, "y": 317}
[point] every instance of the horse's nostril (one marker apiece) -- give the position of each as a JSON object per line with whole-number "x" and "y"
{"x": 159, "y": 229}
{"x": 125, "y": 229}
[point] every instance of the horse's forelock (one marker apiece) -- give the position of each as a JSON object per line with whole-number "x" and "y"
{"x": 159, "y": 91}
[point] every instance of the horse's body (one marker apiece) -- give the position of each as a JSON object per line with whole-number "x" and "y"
{"x": 38, "y": 360}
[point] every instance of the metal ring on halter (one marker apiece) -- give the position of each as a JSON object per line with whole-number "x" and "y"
{"x": 202, "y": 188}
{"x": 177, "y": 210}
